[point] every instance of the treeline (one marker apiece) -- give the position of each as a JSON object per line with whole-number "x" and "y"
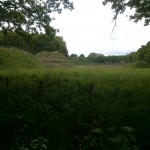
{"x": 33, "y": 43}
{"x": 100, "y": 58}
{"x": 142, "y": 54}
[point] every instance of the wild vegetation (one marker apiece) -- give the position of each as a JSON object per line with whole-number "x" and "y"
{"x": 89, "y": 107}
{"x": 101, "y": 106}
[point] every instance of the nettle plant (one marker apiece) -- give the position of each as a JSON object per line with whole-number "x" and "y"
{"x": 37, "y": 144}
{"x": 111, "y": 138}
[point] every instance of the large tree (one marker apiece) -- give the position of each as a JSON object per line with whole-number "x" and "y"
{"x": 29, "y": 15}
{"x": 141, "y": 7}
{"x": 42, "y": 42}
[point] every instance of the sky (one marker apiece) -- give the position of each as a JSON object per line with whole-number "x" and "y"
{"x": 88, "y": 28}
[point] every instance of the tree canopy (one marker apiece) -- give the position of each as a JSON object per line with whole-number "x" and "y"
{"x": 141, "y": 7}
{"x": 143, "y": 53}
{"x": 29, "y": 15}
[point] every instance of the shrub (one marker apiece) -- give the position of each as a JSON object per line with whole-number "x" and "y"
{"x": 141, "y": 64}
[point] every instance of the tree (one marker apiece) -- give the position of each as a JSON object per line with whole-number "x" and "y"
{"x": 92, "y": 57}
{"x": 58, "y": 44}
{"x": 40, "y": 42}
{"x": 11, "y": 39}
{"x": 31, "y": 16}
{"x": 143, "y": 53}
{"x": 33, "y": 43}
{"x": 130, "y": 57}
{"x": 141, "y": 7}
{"x": 101, "y": 58}
{"x": 74, "y": 57}
{"x": 82, "y": 57}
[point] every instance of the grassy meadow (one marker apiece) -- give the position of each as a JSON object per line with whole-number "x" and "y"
{"x": 86, "y": 107}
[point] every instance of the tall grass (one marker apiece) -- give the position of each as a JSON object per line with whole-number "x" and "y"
{"x": 76, "y": 105}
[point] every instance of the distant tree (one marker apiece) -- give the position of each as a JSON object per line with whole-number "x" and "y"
{"x": 131, "y": 57}
{"x": 32, "y": 16}
{"x": 118, "y": 59}
{"x": 96, "y": 58}
{"x": 74, "y": 57}
{"x": 143, "y": 53}
{"x": 81, "y": 57}
{"x": 141, "y": 8}
{"x": 101, "y": 58}
{"x": 93, "y": 57}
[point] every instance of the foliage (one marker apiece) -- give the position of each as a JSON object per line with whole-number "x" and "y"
{"x": 100, "y": 58}
{"x": 37, "y": 144}
{"x": 93, "y": 57}
{"x": 12, "y": 39}
{"x": 31, "y": 16}
{"x": 112, "y": 138}
{"x": 74, "y": 58}
{"x": 131, "y": 57}
{"x": 141, "y": 8}
{"x": 34, "y": 43}
{"x": 141, "y": 64}
{"x": 143, "y": 53}
{"x": 81, "y": 56}
{"x": 40, "y": 42}
{"x": 59, "y": 45}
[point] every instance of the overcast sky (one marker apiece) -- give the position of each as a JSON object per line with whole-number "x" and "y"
{"x": 88, "y": 29}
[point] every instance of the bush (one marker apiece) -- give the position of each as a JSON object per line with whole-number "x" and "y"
{"x": 141, "y": 64}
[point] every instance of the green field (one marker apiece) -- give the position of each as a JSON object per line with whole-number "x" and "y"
{"x": 97, "y": 107}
